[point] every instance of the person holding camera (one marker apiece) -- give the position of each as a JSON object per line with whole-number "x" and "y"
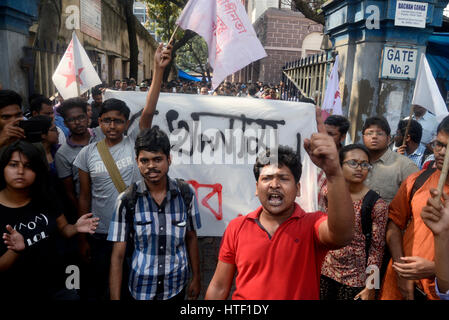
{"x": 10, "y": 115}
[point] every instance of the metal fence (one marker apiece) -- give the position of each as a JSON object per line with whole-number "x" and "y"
{"x": 306, "y": 77}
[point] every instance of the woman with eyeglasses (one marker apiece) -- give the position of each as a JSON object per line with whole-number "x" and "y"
{"x": 343, "y": 274}
{"x": 30, "y": 219}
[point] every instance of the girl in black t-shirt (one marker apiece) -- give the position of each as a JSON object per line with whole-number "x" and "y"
{"x": 29, "y": 212}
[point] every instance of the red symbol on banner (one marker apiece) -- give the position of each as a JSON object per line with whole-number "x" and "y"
{"x": 71, "y": 77}
{"x": 216, "y": 189}
{"x": 337, "y": 94}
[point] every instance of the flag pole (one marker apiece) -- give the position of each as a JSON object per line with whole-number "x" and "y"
{"x": 443, "y": 174}
{"x": 77, "y": 79}
{"x": 407, "y": 129}
{"x": 173, "y": 35}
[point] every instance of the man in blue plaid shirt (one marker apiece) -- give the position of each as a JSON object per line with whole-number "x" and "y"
{"x": 164, "y": 236}
{"x": 412, "y": 148}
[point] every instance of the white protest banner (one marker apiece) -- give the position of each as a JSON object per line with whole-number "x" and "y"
{"x": 228, "y": 32}
{"x": 218, "y": 137}
{"x": 75, "y": 73}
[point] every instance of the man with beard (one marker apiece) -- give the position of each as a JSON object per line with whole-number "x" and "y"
{"x": 74, "y": 112}
{"x": 411, "y": 272}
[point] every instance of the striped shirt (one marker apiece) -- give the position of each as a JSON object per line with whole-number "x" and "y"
{"x": 159, "y": 267}
{"x": 417, "y": 156}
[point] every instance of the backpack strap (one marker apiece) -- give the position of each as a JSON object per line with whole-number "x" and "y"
{"x": 186, "y": 192}
{"x": 130, "y": 200}
{"x": 369, "y": 200}
{"x": 420, "y": 180}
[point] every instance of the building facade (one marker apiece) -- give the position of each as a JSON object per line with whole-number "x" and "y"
{"x": 41, "y": 39}
{"x": 286, "y": 35}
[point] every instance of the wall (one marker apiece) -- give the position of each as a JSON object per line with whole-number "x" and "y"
{"x": 110, "y": 55}
{"x": 15, "y": 19}
{"x": 281, "y": 33}
{"x": 360, "y": 49}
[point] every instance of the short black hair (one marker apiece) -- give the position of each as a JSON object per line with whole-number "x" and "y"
{"x": 115, "y": 105}
{"x": 444, "y": 126}
{"x": 9, "y": 97}
{"x": 36, "y": 103}
{"x": 350, "y": 147}
{"x": 415, "y": 130}
{"x": 152, "y": 140}
{"x": 70, "y": 104}
{"x": 96, "y": 92}
{"x": 338, "y": 121}
{"x": 379, "y": 121}
{"x": 285, "y": 157}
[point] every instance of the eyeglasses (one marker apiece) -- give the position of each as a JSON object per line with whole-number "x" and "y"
{"x": 74, "y": 119}
{"x": 354, "y": 164}
{"x": 437, "y": 145}
{"x": 377, "y": 133}
{"x": 110, "y": 120}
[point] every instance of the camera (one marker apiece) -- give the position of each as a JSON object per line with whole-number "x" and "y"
{"x": 33, "y": 129}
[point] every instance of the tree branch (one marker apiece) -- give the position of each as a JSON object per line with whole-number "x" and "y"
{"x": 304, "y": 7}
{"x": 179, "y": 3}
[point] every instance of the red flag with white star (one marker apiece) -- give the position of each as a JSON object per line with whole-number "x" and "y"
{"x": 75, "y": 73}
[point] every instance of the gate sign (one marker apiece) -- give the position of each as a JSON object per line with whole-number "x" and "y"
{"x": 399, "y": 63}
{"x": 410, "y": 14}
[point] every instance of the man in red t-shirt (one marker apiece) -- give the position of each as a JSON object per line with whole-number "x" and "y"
{"x": 278, "y": 249}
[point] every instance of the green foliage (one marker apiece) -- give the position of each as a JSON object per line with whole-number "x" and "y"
{"x": 193, "y": 55}
{"x": 164, "y": 14}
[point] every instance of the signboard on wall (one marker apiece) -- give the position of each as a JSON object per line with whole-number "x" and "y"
{"x": 91, "y": 18}
{"x": 398, "y": 63}
{"x": 410, "y": 14}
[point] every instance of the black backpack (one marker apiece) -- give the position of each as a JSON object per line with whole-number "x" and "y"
{"x": 371, "y": 197}
{"x": 368, "y": 203}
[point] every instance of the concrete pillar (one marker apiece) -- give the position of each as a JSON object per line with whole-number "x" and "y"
{"x": 15, "y": 19}
{"x": 361, "y": 31}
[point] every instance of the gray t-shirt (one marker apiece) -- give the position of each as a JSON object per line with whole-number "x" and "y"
{"x": 65, "y": 157}
{"x": 104, "y": 193}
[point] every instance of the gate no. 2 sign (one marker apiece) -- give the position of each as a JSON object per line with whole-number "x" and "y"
{"x": 399, "y": 63}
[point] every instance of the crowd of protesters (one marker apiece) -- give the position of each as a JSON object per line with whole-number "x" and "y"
{"x": 256, "y": 90}
{"x": 78, "y": 188}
